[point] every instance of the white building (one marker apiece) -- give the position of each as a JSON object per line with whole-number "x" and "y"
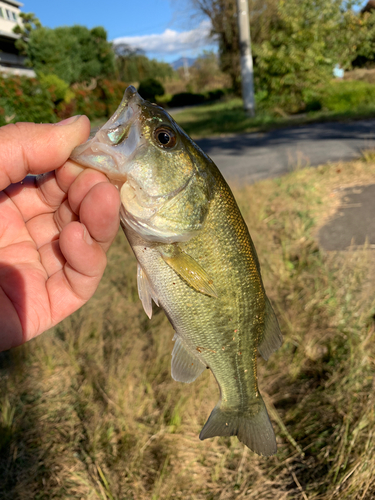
{"x": 10, "y": 60}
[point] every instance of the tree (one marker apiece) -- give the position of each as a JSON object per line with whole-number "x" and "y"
{"x": 296, "y": 43}
{"x": 134, "y": 66}
{"x": 73, "y": 53}
{"x": 222, "y": 14}
{"x": 365, "y": 40}
{"x": 29, "y": 23}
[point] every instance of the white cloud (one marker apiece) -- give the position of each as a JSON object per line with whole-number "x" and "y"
{"x": 170, "y": 42}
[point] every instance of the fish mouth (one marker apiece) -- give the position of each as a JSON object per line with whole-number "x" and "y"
{"x": 111, "y": 149}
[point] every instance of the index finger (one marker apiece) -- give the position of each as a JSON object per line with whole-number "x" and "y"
{"x": 30, "y": 148}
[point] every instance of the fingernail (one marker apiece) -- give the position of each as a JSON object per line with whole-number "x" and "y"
{"x": 69, "y": 121}
{"x": 86, "y": 235}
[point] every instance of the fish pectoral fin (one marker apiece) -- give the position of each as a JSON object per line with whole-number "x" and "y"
{"x": 272, "y": 338}
{"x": 145, "y": 291}
{"x": 190, "y": 271}
{"x": 254, "y": 430}
{"x": 185, "y": 366}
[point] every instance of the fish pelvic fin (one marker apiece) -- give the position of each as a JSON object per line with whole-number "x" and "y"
{"x": 145, "y": 291}
{"x": 272, "y": 338}
{"x": 252, "y": 429}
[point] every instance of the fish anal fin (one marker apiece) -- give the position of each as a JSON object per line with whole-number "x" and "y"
{"x": 272, "y": 338}
{"x": 145, "y": 291}
{"x": 190, "y": 271}
{"x": 185, "y": 366}
{"x": 253, "y": 430}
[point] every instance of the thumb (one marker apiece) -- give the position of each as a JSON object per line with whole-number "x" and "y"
{"x": 30, "y": 148}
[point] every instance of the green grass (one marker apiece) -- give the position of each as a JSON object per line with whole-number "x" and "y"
{"x": 227, "y": 117}
{"x": 89, "y": 409}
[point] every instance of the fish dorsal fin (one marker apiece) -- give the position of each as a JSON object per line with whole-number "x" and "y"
{"x": 185, "y": 366}
{"x": 145, "y": 291}
{"x": 272, "y": 338}
{"x": 190, "y": 271}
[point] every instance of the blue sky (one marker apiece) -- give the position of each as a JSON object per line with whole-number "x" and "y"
{"x": 175, "y": 33}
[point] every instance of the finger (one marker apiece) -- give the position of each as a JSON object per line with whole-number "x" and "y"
{"x": 82, "y": 185}
{"x": 29, "y": 148}
{"x": 45, "y": 193}
{"x": 52, "y": 258}
{"x": 46, "y": 227}
{"x": 73, "y": 285}
{"x": 99, "y": 212}
{"x": 36, "y": 195}
{"x": 12, "y": 225}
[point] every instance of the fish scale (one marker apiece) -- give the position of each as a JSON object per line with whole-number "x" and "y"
{"x": 197, "y": 262}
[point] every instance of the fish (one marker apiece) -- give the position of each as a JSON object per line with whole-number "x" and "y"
{"x": 196, "y": 260}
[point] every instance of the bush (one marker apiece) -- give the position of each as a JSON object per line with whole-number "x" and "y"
{"x": 58, "y": 89}
{"x": 50, "y": 99}
{"x": 150, "y": 88}
{"x": 342, "y": 96}
{"x": 25, "y": 99}
{"x": 113, "y": 91}
{"x": 215, "y": 95}
{"x": 186, "y": 99}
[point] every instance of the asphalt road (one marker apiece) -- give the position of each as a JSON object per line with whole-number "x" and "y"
{"x": 252, "y": 157}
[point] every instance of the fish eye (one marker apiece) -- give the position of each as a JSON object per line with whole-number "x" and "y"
{"x": 165, "y": 137}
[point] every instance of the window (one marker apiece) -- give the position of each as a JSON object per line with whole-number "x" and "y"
{"x": 1, "y": 12}
{"x": 9, "y": 14}
{"x": 14, "y": 15}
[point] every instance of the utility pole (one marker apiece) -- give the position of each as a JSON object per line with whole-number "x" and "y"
{"x": 247, "y": 73}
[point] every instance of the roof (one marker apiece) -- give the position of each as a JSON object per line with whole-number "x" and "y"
{"x": 14, "y": 3}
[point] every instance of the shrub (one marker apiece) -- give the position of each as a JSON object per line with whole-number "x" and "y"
{"x": 113, "y": 91}
{"x": 341, "y": 96}
{"x": 150, "y": 88}
{"x": 25, "y": 99}
{"x": 98, "y": 102}
{"x": 58, "y": 89}
{"x": 186, "y": 99}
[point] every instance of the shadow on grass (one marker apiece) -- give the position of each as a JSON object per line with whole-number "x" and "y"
{"x": 23, "y": 470}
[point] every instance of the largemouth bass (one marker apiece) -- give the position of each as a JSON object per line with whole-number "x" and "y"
{"x": 196, "y": 260}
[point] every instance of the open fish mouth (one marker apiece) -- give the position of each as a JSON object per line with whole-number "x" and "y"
{"x": 111, "y": 149}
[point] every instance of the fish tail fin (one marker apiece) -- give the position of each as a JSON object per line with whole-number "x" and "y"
{"x": 254, "y": 429}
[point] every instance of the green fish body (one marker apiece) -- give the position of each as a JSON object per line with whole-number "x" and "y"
{"x": 196, "y": 260}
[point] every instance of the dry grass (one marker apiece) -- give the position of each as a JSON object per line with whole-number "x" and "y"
{"x": 362, "y": 74}
{"x": 89, "y": 410}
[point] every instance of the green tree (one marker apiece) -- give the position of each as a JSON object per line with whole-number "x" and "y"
{"x": 296, "y": 43}
{"x": 29, "y": 23}
{"x": 305, "y": 41}
{"x": 364, "y": 40}
{"x": 96, "y": 53}
{"x": 73, "y": 53}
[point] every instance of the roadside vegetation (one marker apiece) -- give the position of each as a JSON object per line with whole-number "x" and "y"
{"x": 296, "y": 46}
{"x": 338, "y": 101}
{"x": 89, "y": 409}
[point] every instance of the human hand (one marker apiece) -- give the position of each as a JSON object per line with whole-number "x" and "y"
{"x": 54, "y": 228}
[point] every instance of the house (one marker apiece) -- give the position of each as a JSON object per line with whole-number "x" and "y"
{"x": 10, "y": 60}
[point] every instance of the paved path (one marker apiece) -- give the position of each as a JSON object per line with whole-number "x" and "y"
{"x": 354, "y": 222}
{"x": 251, "y": 157}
